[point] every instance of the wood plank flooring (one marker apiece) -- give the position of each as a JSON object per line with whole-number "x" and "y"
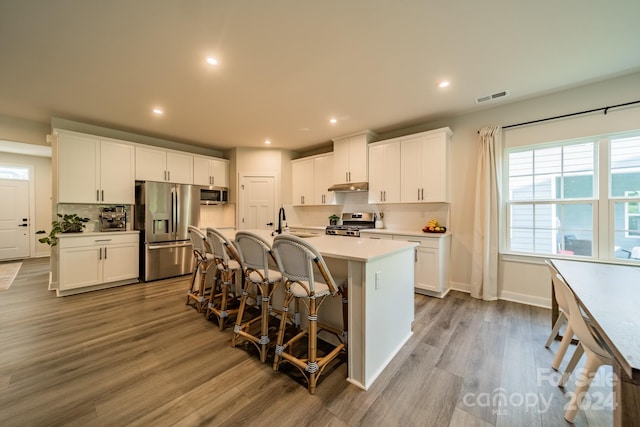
{"x": 136, "y": 355}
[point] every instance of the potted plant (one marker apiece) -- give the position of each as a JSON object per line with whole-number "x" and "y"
{"x": 333, "y": 219}
{"x": 69, "y": 223}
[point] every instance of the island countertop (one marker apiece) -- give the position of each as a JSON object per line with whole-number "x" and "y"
{"x": 344, "y": 247}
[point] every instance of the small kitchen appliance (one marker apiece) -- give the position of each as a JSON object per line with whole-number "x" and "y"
{"x": 113, "y": 218}
{"x": 352, "y": 223}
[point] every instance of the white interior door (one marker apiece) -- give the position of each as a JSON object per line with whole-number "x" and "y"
{"x": 14, "y": 219}
{"x": 258, "y": 202}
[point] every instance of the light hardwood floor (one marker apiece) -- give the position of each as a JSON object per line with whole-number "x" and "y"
{"x": 136, "y": 355}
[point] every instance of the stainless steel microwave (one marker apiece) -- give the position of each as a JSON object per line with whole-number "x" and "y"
{"x": 214, "y": 195}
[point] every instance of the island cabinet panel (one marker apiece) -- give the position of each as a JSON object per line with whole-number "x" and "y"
{"x": 351, "y": 157}
{"x": 91, "y": 261}
{"x": 153, "y": 164}
{"x": 424, "y": 166}
{"x": 310, "y": 179}
{"x": 210, "y": 171}
{"x": 384, "y": 172}
{"x": 91, "y": 169}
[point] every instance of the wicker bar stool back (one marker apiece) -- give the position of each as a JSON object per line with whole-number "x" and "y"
{"x": 296, "y": 260}
{"x": 202, "y": 261}
{"x": 259, "y": 284}
{"x": 228, "y": 264}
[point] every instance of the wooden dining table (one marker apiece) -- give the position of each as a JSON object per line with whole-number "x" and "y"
{"x": 609, "y": 294}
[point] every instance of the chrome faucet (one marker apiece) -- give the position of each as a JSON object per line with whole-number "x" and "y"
{"x": 281, "y": 217}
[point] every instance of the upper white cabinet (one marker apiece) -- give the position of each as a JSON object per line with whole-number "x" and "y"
{"x": 322, "y": 180}
{"x": 210, "y": 171}
{"x": 155, "y": 164}
{"x": 384, "y": 176}
{"x": 310, "y": 179}
{"x": 351, "y": 157}
{"x": 91, "y": 169}
{"x": 424, "y": 167}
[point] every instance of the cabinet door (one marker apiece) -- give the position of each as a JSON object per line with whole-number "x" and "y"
{"x": 120, "y": 262}
{"x": 302, "y": 182}
{"x": 341, "y": 161}
{"x": 117, "y": 182}
{"x": 80, "y": 267}
{"x": 384, "y": 176}
{"x": 410, "y": 168}
{"x": 376, "y": 180}
{"x": 179, "y": 168}
{"x": 77, "y": 169}
{"x": 151, "y": 164}
{"x": 322, "y": 180}
{"x": 434, "y": 160}
{"x": 201, "y": 172}
{"x": 427, "y": 272}
{"x": 220, "y": 172}
{"x": 358, "y": 154}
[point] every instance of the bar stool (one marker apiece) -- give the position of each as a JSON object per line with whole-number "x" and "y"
{"x": 259, "y": 282}
{"x": 202, "y": 261}
{"x": 296, "y": 260}
{"x": 227, "y": 264}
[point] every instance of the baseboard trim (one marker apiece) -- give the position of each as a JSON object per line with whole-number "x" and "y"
{"x": 508, "y": 296}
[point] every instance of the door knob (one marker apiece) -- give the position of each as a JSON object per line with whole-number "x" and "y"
{"x": 270, "y": 224}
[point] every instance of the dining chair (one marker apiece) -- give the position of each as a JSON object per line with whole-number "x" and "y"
{"x": 562, "y": 319}
{"x": 593, "y": 346}
{"x": 260, "y": 282}
{"x": 227, "y": 263}
{"x": 297, "y": 259}
{"x": 202, "y": 261}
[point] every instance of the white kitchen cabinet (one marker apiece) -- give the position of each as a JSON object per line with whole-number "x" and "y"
{"x": 153, "y": 164}
{"x": 322, "y": 180}
{"x": 210, "y": 171}
{"x": 424, "y": 165}
{"x": 302, "y": 174}
{"x": 98, "y": 259}
{"x": 432, "y": 264}
{"x": 351, "y": 157}
{"x": 310, "y": 179}
{"x": 384, "y": 179}
{"x": 91, "y": 169}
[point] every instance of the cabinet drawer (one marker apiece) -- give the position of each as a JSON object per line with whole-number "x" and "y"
{"x": 425, "y": 242}
{"x": 96, "y": 240}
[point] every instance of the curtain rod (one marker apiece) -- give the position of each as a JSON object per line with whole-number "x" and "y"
{"x": 605, "y": 109}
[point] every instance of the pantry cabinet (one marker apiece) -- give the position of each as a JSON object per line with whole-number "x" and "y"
{"x": 210, "y": 171}
{"x": 97, "y": 260}
{"x": 384, "y": 164}
{"x": 351, "y": 157}
{"x": 310, "y": 179}
{"x": 90, "y": 169}
{"x": 424, "y": 166}
{"x": 153, "y": 164}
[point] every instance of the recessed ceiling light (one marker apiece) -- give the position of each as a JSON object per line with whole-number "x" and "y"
{"x": 158, "y": 111}
{"x": 211, "y": 60}
{"x": 267, "y": 142}
{"x": 333, "y": 121}
{"x": 443, "y": 84}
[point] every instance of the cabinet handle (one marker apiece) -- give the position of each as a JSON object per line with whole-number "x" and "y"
{"x": 102, "y": 193}
{"x": 168, "y": 175}
{"x": 385, "y": 195}
{"x": 97, "y": 195}
{"x": 349, "y": 177}
{"x": 105, "y": 253}
{"x": 418, "y": 194}
{"x": 422, "y": 194}
{"x": 100, "y": 254}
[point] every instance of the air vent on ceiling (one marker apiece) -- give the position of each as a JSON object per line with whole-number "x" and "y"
{"x": 492, "y": 97}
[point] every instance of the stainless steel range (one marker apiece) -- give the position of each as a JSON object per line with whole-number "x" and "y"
{"x": 352, "y": 223}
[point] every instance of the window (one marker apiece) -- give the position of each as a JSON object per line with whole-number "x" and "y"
{"x": 14, "y": 172}
{"x": 556, "y": 202}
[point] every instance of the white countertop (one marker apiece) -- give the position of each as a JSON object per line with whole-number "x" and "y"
{"x": 344, "y": 247}
{"x": 96, "y": 233}
{"x": 387, "y": 231}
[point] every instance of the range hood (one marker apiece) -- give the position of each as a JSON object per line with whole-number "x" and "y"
{"x": 350, "y": 187}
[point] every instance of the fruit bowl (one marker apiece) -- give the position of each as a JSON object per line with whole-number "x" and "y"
{"x": 442, "y": 230}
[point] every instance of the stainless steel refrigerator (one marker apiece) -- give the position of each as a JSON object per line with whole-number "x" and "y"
{"x": 163, "y": 213}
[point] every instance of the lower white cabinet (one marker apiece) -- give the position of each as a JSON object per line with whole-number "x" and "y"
{"x": 431, "y": 261}
{"x": 97, "y": 259}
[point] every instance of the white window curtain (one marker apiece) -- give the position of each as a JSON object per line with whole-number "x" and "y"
{"x": 486, "y": 243}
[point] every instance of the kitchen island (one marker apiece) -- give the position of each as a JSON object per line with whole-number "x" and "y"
{"x": 379, "y": 276}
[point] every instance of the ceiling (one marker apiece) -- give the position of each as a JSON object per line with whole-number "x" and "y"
{"x": 285, "y": 67}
